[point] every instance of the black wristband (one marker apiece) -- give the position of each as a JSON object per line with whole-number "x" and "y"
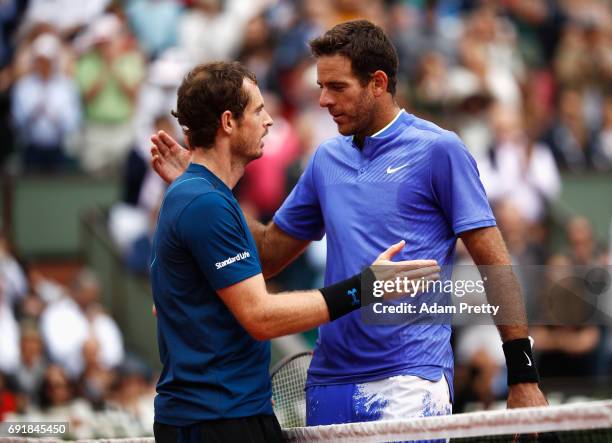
{"x": 345, "y": 296}
{"x": 520, "y": 362}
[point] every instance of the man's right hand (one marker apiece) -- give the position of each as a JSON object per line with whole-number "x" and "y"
{"x": 168, "y": 158}
{"x": 417, "y": 270}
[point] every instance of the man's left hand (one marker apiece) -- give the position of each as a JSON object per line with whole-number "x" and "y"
{"x": 524, "y": 395}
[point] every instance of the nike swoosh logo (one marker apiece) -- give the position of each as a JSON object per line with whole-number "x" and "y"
{"x": 528, "y": 359}
{"x": 391, "y": 170}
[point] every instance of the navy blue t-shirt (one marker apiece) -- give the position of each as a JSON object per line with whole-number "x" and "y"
{"x": 212, "y": 368}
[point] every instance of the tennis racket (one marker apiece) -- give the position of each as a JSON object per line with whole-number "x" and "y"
{"x": 288, "y": 380}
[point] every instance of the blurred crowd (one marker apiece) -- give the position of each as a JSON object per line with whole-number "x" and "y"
{"x": 63, "y": 356}
{"x": 527, "y": 84}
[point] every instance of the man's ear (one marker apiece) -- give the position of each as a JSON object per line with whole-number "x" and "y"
{"x": 186, "y": 141}
{"x": 227, "y": 123}
{"x": 379, "y": 83}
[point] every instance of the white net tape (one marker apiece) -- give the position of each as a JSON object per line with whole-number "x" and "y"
{"x": 577, "y": 416}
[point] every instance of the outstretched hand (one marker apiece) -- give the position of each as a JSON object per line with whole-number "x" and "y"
{"x": 385, "y": 269}
{"x": 168, "y": 158}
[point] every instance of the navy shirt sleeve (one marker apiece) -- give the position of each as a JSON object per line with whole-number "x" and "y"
{"x": 457, "y": 187}
{"x": 300, "y": 214}
{"x": 214, "y": 232}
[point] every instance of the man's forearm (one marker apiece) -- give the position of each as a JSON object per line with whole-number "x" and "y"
{"x": 489, "y": 252}
{"x": 276, "y": 248}
{"x": 503, "y": 290}
{"x": 258, "y": 231}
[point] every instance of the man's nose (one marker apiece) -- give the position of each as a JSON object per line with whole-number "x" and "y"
{"x": 268, "y": 120}
{"x": 325, "y": 99}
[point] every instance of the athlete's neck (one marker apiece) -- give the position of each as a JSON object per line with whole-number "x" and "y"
{"x": 387, "y": 116}
{"x": 381, "y": 118}
{"x": 228, "y": 170}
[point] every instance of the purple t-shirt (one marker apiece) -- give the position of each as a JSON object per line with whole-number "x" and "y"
{"x": 411, "y": 181}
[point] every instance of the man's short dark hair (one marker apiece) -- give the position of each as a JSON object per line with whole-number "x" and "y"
{"x": 365, "y": 45}
{"x": 207, "y": 91}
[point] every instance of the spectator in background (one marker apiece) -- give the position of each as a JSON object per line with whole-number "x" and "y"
{"x": 294, "y": 23}
{"x": 584, "y": 250}
{"x": 420, "y": 32}
{"x": 428, "y": 91}
{"x": 69, "y": 322}
{"x": 24, "y": 58}
{"x": 517, "y": 169}
{"x": 30, "y": 307}
{"x": 10, "y": 11}
{"x": 214, "y": 29}
{"x": 604, "y": 137}
{"x": 14, "y": 283}
{"x": 156, "y": 98}
{"x": 258, "y": 49}
{"x": 346, "y": 10}
{"x": 518, "y": 234}
{"x": 132, "y": 222}
{"x": 488, "y": 51}
{"x": 46, "y": 109}
{"x": 538, "y": 24}
{"x": 572, "y": 141}
{"x": 154, "y": 23}
{"x": 584, "y": 56}
{"x": 47, "y": 290}
{"x": 9, "y": 335}
{"x": 469, "y": 103}
{"x": 571, "y": 345}
{"x": 96, "y": 381}
{"x": 568, "y": 346}
{"x": 59, "y": 403}
{"x": 487, "y": 72}
{"x": 66, "y": 16}
{"x": 28, "y": 377}
{"x": 109, "y": 76}
{"x": 313, "y": 122}
{"x": 8, "y": 402}
{"x": 132, "y": 398}
{"x": 10, "y": 14}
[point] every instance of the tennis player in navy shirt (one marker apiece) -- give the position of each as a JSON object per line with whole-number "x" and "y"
{"x": 214, "y": 313}
{"x": 388, "y": 175}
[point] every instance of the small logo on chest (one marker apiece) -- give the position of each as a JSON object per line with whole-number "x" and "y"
{"x": 391, "y": 170}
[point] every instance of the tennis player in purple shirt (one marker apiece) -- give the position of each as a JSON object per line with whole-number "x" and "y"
{"x": 388, "y": 176}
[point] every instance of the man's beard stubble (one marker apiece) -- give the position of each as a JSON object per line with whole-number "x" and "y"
{"x": 246, "y": 149}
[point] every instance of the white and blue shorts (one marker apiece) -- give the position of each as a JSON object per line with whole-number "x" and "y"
{"x": 397, "y": 397}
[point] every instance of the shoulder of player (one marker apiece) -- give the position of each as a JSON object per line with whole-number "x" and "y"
{"x": 210, "y": 203}
{"x": 332, "y": 148}
{"x": 440, "y": 140}
{"x": 429, "y": 131}
{"x": 332, "y": 144}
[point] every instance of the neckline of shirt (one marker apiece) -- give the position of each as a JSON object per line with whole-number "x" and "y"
{"x": 374, "y": 141}
{"x": 196, "y": 168}
{"x": 382, "y": 131}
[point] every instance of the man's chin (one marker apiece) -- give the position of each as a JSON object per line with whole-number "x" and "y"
{"x": 345, "y": 130}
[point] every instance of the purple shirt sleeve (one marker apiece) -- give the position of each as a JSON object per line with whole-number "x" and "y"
{"x": 300, "y": 214}
{"x": 457, "y": 187}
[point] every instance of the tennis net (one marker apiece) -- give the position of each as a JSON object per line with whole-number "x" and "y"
{"x": 572, "y": 423}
